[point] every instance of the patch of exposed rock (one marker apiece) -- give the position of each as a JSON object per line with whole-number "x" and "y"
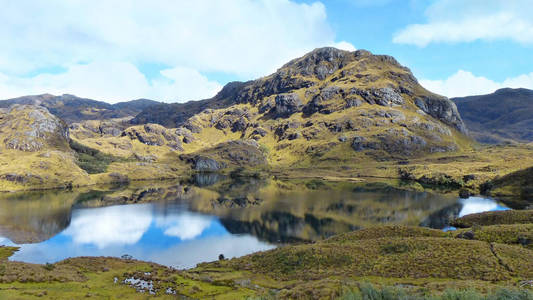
{"x": 287, "y": 104}
{"x": 156, "y": 135}
{"x": 242, "y": 153}
{"x": 441, "y": 108}
{"x": 32, "y": 128}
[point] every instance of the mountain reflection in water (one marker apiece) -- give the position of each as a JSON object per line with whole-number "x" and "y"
{"x": 183, "y": 223}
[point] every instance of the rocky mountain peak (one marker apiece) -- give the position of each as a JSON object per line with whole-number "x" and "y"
{"x": 327, "y": 96}
{"x": 320, "y": 62}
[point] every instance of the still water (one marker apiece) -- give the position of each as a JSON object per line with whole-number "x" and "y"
{"x": 183, "y": 223}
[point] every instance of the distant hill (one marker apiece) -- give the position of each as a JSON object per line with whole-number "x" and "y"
{"x": 74, "y": 109}
{"x": 504, "y": 115}
{"x": 175, "y": 114}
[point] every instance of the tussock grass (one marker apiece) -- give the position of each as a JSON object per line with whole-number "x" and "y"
{"x": 495, "y": 218}
{"x": 513, "y": 234}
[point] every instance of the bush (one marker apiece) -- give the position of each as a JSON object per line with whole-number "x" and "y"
{"x": 49, "y": 266}
{"x": 91, "y": 160}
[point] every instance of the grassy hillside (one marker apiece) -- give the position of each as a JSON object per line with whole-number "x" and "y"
{"x": 505, "y": 115}
{"x": 416, "y": 261}
{"x": 517, "y": 184}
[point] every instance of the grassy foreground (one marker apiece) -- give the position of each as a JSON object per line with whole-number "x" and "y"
{"x": 383, "y": 262}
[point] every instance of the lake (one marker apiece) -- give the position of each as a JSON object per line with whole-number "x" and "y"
{"x": 181, "y": 223}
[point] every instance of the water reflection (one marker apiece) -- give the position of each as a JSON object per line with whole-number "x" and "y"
{"x": 441, "y": 218}
{"x": 180, "y": 239}
{"x": 474, "y": 205}
{"x": 184, "y": 222}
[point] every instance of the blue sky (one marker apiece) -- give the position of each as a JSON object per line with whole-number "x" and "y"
{"x": 171, "y": 50}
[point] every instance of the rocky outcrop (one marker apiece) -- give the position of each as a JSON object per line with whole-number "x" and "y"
{"x": 240, "y": 153}
{"x": 287, "y": 104}
{"x": 31, "y": 128}
{"x": 96, "y": 128}
{"x": 442, "y": 109}
{"x": 156, "y": 135}
{"x": 327, "y": 80}
{"x": 204, "y": 163}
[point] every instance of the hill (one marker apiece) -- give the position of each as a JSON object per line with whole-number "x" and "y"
{"x": 329, "y": 114}
{"x": 328, "y": 101}
{"x": 73, "y": 109}
{"x": 505, "y": 115}
{"x": 35, "y": 150}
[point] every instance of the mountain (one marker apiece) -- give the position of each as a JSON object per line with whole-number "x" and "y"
{"x": 175, "y": 114}
{"x": 505, "y": 115}
{"x": 328, "y": 101}
{"x": 35, "y": 150}
{"x": 346, "y": 113}
{"x": 73, "y": 109}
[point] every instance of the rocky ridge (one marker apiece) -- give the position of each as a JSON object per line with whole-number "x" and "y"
{"x": 73, "y": 109}
{"x": 322, "y": 101}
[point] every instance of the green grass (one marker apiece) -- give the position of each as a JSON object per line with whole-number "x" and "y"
{"x": 367, "y": 291}
{"x": 495, "y": 218}
{"x": 512, "y": 234}
{"x": 91, "y": 160}
{"x": 387, "y": 262}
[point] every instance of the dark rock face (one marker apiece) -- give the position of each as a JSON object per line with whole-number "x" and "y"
{"x": 319, "y": 103}
{"x": 443, "y": 109}
{"x": 288, "y": 104}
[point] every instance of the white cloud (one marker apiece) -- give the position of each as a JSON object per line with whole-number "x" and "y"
{"x": 455, "y": 21}
{"x": 343, "y": 45}
{"x": 246, "y": 38}
{"x": 190, "y": 253}
{"x": 113, "y": 81}
{"x": 110, "y": 226}
{"x": 464, "y": 83}
{"x": 185, "y": 226}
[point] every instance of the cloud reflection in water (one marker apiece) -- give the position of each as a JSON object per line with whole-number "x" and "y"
{"x": 174, "y": 237}
{"x": 474, "y": 205}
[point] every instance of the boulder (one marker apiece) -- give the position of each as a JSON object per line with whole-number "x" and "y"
{"x": 287, "y": 104}
{"x": 204, "y": 163}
